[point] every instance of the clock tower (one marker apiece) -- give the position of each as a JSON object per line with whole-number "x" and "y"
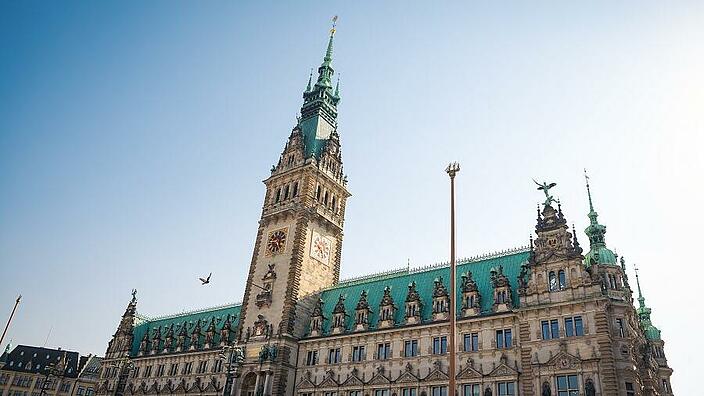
{"x": 299, "y": 240}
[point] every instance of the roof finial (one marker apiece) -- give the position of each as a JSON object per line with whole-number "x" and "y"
{"x": 337, "y": 86}
{"x": 328, "y": 53}
{"x": 589, "y": 193}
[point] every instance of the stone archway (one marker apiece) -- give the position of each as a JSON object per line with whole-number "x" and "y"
{"x": 248, "y": 383}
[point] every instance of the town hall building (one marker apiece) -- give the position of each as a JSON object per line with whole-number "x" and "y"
{"x": 552, "y": 318}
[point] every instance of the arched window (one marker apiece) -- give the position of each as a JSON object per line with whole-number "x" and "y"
{"x": 278, "y": 195}
{"x": 295, "y": 189}
{"x": 563, "y": 280}
{"x": 286, "y": 192}
{"x": 552, "y": 285}
{"x": 317, "y": 193}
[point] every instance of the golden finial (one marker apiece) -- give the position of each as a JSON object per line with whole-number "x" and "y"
{"x": 334, "y": 23}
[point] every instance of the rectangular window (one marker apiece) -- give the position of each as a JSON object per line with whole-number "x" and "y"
{"x": 410, "y": 348}
{"x": 630, "y": 390}
{"x": 567, "y": 385}
{"x": 554, "y": 329}
{"x": 355, "y": 393}
{"x": 471, "y": 342}
{"x": 471, "y": 390}
{"x": 503, "y": 339}
{"x": 438, "y": 391}
{"x": 89, "y": 392}
{"x": 574, "y": 326}
{"x": 312, "y": 358}
{"x": 330, "y": 393}
{"x": 160, "y": 370}
{"x": 381, "y": 392}
{"x": 621, "y": 328}
{"x": 383, "y": 351}
{"x": 358, "y": 353}
{"x": 440, "y": 345}
{"x": 147, "y": 371}
{"x": 506, "y": 388}
{"x": 334, "y": 356}
{"x": 409, "y": 392}
{"x": 79, "y": 391}
{"x": 545, "y": 326}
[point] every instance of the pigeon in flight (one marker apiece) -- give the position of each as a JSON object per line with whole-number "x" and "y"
{"x": 206, "y": 280}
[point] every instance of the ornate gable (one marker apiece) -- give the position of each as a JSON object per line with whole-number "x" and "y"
{"x": 353, "y": 380}
{"x": 306, "y": 382}
{"x": 379, "y": 379}
{"x": 469, "y": 372}
{"x": 436, "y": 374}
{"x": 503, "y": 370}
{"x": 406, "y": 377}
{"x": 564, "y": 361}
{"x": 329, "y": 381}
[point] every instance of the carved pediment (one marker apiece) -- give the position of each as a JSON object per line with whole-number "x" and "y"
{"x": 406, "y": 377}
{"x": 352, "y": 380}
{"x": 129, "y": 389}
{"x": 437, "y": 375}
{"x": 306, "y": 383}
{"x": 564, "y": 361}
{"x": 329, "y": 381}
{"x": 503, "y": 370}
{"x": 378, "y": 379}
{"x": 153, "y": 389}
{"x": 181, "y": 387}
{"x": 469, "y": 373}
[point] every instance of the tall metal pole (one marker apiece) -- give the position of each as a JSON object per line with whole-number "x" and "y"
{"x": 17, "y": 302}
{"x": 452, "y": 170}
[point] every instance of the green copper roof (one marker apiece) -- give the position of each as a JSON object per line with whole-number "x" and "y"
{"x": 220, "y": 315}
{"x": 424, "y": 277}
{"x": 598, "y": 252}
{"x": 319, "y": 110}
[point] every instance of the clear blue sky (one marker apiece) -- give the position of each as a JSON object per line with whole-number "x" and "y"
{"x": 134, "y": 138}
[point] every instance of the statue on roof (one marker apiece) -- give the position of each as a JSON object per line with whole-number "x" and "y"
{"x": 545, "y": 188}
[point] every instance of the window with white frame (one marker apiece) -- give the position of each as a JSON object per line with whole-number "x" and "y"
{"x": 506, "y": 388}
{"x": 471, "y": 390}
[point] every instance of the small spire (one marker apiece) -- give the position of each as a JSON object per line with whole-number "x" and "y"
{"x": 310, "y": 81}
{"x": 641, "y": 299}
{"x": 337, "y": 86}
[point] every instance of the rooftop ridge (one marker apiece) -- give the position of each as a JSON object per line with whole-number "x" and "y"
{"x": 146, "y": 318}
{"x": 356, "y": 279}
{"x": 415, "y": 270}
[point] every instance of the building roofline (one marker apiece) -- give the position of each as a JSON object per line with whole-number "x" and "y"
{"x": 416, "y": 270}
{"x": 145, "y": 318}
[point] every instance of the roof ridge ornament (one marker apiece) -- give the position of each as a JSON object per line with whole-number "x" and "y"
{"x": 545, "y": 187}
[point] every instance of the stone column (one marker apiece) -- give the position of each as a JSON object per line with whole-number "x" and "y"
{"x": 236, "y": 383}
{"x": 256, "y": 384}
{"x": 267, "y": 384}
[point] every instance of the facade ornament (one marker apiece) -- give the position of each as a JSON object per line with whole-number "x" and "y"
{"x": 441, "y": 300}
{"x": 503, "y": 299}
{"x": 225, "y": 331}
{"x": 414, "y": 305}
{"x": 339, "y": 316}
{"x": 144, "y": 344}
{"x": 387, "y": 309}
{"x": 471, "y": 299}
{"x": 317, "y": 318}
{"x": 362, "y": 312}
{"x": 210, "y": 333}
{"x": 261, "y": 326}
{"x": 195, "y": 335}
{"x": 156, "y": 339}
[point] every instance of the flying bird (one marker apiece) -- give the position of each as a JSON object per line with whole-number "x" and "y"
{"x": 206, "y": 280}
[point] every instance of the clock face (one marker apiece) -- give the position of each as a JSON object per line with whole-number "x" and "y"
{"x": 276, "y": 243}
{"x": 320, "y": 248}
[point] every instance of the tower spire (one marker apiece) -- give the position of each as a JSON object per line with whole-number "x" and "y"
{"x": 651, "y": 332}
{"x": 641, "y": 299}
{"x": 310, "y": 81}
{"x": 598, "y": 252}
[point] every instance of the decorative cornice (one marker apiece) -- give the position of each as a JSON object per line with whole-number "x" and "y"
{"x": 145, "y": 318}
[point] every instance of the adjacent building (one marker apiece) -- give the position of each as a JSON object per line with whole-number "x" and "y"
{"x": 36, "y": 371}
{"x": 545, "y": 319}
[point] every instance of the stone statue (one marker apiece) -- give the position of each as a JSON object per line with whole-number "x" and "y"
{"x": 589, "y": 388}
{"x": 546, "y": 390}
{"x": 545, "y": 187}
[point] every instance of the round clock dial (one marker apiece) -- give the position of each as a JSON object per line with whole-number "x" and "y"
{"x": 276, "y": 242}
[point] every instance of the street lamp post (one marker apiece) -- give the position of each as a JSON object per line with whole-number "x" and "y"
{"x": 125, "y": 366}
{"x": 452, "y": 171}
